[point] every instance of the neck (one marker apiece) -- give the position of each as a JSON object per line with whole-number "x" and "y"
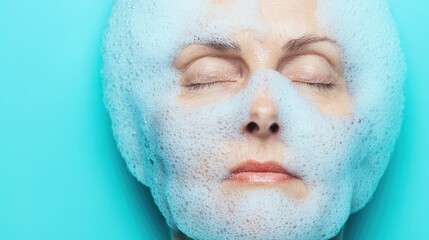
{"x": 178, "y": 235}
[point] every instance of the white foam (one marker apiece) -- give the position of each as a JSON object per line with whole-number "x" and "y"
{"x": 165, "y": 143}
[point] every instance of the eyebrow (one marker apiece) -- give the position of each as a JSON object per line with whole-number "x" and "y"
{"x": 223, "y": 45}
{"x": 229, "y": 45}
{"x": 298, "y": 43}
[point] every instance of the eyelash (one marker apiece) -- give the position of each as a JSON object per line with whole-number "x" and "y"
{"x": 200, "y": 86}
{"x": 319, "y": 86}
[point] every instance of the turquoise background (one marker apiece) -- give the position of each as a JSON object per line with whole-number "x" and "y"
{"x": 61, "y": 176}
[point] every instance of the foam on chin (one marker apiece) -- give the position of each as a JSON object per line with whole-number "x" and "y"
{"x": 341, "y": 159}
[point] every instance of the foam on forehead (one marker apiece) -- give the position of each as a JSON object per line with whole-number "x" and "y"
{"x": 162, "y": 26}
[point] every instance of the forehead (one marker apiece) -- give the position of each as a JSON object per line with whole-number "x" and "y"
{"x": 274, "y": 10}
{"x": 286, "y": 15}
{"x": 164, "y": 25}
{"x": 265, "y": 20}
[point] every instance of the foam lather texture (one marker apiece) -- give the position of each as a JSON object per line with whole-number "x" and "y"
{"x": 179, "y": 150}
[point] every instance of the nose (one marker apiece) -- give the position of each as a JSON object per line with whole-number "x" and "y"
{"x": 263, "y": 122}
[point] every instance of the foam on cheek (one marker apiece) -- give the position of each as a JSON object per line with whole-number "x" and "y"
{"x": 180, "y": 152}
{"x": 375, "y": 68}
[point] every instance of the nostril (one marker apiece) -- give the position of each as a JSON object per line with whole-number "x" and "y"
{"x": 274, "y": 128}
{"x": 251, "y": 127}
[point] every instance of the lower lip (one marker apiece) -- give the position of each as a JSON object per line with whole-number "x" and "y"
{"x": 259, "y": 177}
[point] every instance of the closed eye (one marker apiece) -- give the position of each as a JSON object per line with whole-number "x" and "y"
{"x": 201, "y": 86}
{"x": 311, "y": 71}
{"x": 319, "y": 86}
{"x": 212, "y": 72}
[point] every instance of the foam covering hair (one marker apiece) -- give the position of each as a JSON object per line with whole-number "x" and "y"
{"x": 177, "y": 150}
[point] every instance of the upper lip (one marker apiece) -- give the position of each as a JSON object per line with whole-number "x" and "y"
{"x": 255, "y": 166}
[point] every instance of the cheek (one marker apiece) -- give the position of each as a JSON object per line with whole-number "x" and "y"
{"x": 190, "y": 143}
{"x": 326, "y": 155}
{"x": 340, "y": 104}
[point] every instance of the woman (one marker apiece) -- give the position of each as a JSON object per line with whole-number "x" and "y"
{"x": 255, "y": 119}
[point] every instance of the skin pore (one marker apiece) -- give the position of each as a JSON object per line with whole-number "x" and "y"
{"x": 294, "y": 46}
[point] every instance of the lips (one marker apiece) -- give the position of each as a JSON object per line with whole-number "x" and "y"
{"x": 255, "y": 172}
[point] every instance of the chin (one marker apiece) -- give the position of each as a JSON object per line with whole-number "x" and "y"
{"x": 204, "y": 210}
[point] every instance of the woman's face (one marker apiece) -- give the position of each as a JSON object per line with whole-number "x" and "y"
{"x": 239, "y": 157}
{"x": 296, "y": 48}
{"x": 251, "y": 129}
